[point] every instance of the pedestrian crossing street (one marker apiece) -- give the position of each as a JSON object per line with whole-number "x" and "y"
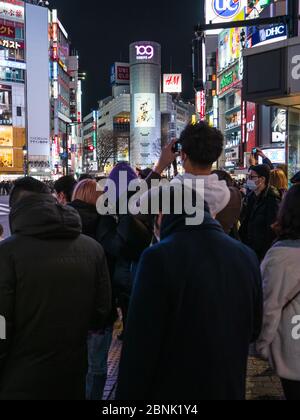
{"x": 4, "y": 209}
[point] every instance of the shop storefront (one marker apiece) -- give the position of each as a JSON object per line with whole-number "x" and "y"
{"x": 279, "y": 91}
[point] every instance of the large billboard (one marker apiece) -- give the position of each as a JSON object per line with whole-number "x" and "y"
{"x": 6, "y": 105}
{"x": 145, "y": 113}
{"x": 38, "y": 102}
{"x": 220, "y": 11}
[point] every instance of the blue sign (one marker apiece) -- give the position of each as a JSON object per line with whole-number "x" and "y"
{"x": 227, "y": 9}
{"x": 113, "y": 74}
{"x": 267, "y": 34}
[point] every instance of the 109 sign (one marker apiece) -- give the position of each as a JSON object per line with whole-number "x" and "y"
{"x": 144, "y": 52}
{"x": 227, "y": 9}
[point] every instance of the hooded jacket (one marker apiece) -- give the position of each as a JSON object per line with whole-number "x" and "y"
{"x": 216, "y": 192}
{"x": 54, "y": 287}
{"x": 196, "y": 306}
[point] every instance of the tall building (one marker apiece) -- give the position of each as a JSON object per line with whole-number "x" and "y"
{"x": 66, "y": 112}
{"x": 40, "y": 93}
{"x": 12, "y": 87}
{"x": 145, "y": 89}
{"x": 138, "y": 119}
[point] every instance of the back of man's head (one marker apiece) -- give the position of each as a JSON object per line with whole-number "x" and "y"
{"x": 65, "y": 185}
{"x": 202, "y": 144}
{"x": 24, "y": 187}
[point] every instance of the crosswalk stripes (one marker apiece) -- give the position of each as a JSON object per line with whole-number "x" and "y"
{"x": 4, "y": 209}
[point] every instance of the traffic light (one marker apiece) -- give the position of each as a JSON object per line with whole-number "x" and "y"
{"x": 90, "y": 148}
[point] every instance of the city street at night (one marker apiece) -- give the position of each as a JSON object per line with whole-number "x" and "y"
{"x": 149, "y": 203}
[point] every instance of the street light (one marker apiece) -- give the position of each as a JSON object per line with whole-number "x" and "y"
{"x": 65, "y": 147}
{"x": 25, "y": 161}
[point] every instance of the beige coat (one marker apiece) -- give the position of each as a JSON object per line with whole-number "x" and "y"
{"x": 279, "y": 340}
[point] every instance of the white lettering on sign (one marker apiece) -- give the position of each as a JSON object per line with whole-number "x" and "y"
{"x": 296, "y": 329}
{"x": 144, "y": 52}
{"x": 296, "y": 68}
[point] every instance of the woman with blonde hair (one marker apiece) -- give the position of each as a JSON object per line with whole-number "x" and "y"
{"x": 279, "y": 181}
{"x": 84, "y": 200}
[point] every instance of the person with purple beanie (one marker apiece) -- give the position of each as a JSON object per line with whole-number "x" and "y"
{"x": 124, "y": 238}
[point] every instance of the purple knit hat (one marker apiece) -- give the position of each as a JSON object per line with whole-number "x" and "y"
{"x": 115, "y": 177}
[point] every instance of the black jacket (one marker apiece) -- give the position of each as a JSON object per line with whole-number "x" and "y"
{"x": 54, "y": 287}
{"x": 89, "y": 217}
{"x": 258, "y": 215}
{"x": 124, "y": 239}
{"x": 196, "y": 306}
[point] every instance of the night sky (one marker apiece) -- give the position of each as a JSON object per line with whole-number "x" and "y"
{"x": 101, "y": 32}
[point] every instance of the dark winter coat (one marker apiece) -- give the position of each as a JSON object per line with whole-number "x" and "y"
{"x": 196, "y": 306}
{"x": 258, "y": 215}
{"x": 89, "y": 217}
{"x": 54, "y": 287}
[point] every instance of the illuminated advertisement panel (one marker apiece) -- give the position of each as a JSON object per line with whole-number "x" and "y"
{"x": 145, "y": 114}
{"x": 5, "y": 105}
{"x": 6, "y": 136}
{"x": 12, "y": 10}
{"x": 218, "y": 11}
{"x": 7, "y": 31}
{"x": 172, "y": 83}
{"x": 38, "y": 103}
{"x": 6, "y": 158}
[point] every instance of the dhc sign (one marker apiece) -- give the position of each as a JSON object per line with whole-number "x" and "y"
{"x": 227, "y": 9}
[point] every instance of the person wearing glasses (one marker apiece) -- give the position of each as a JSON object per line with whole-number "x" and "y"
{"x": 260, "y": 210}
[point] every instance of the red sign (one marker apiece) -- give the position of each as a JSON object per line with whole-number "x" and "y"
{"x": 250, "y": 126}
{"x": 201, "y": 104}
{"x": 11, "y": 45}
{"x": 7, "y": 31}
{"x": 123, "y": 73}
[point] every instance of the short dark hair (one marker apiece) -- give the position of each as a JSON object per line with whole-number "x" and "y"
{"x": 66, "y": 185}
{"x": 26, "y": 186}
{"x": 288, "y": 219}
{"x": 202, "y": 144}
{"x": 262, "y": 171}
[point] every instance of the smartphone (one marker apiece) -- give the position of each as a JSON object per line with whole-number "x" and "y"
{"x": 177, "y": 147}
{"x": 254, "y": 151}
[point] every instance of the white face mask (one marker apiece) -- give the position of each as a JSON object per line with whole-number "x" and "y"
{"x": 251, "y": 185}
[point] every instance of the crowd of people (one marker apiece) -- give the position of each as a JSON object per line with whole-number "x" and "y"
{"x": 193, "y": 298}
{"x": 5, "y": 187}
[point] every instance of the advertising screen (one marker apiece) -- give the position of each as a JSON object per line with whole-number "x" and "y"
{"x": 276, "y": 155}
{"x": 172, "y": 83}
{"x": 6, "y": 136}
{"x": 144, "y": 107}
{"x": 6, "y": 158}
{"x": 38, "y": 81}
{"x": 229, "y": 49}
{"x": 5, "y": 105}
{"x": 279, "y": 125}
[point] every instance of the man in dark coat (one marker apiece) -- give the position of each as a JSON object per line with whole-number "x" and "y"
{"x": 260, "y": 211}
{"x": 196, "y": 307}
{"x": 54, "y": 287}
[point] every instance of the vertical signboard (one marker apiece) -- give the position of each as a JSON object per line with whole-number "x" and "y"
{"x": 38, "y": 103}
